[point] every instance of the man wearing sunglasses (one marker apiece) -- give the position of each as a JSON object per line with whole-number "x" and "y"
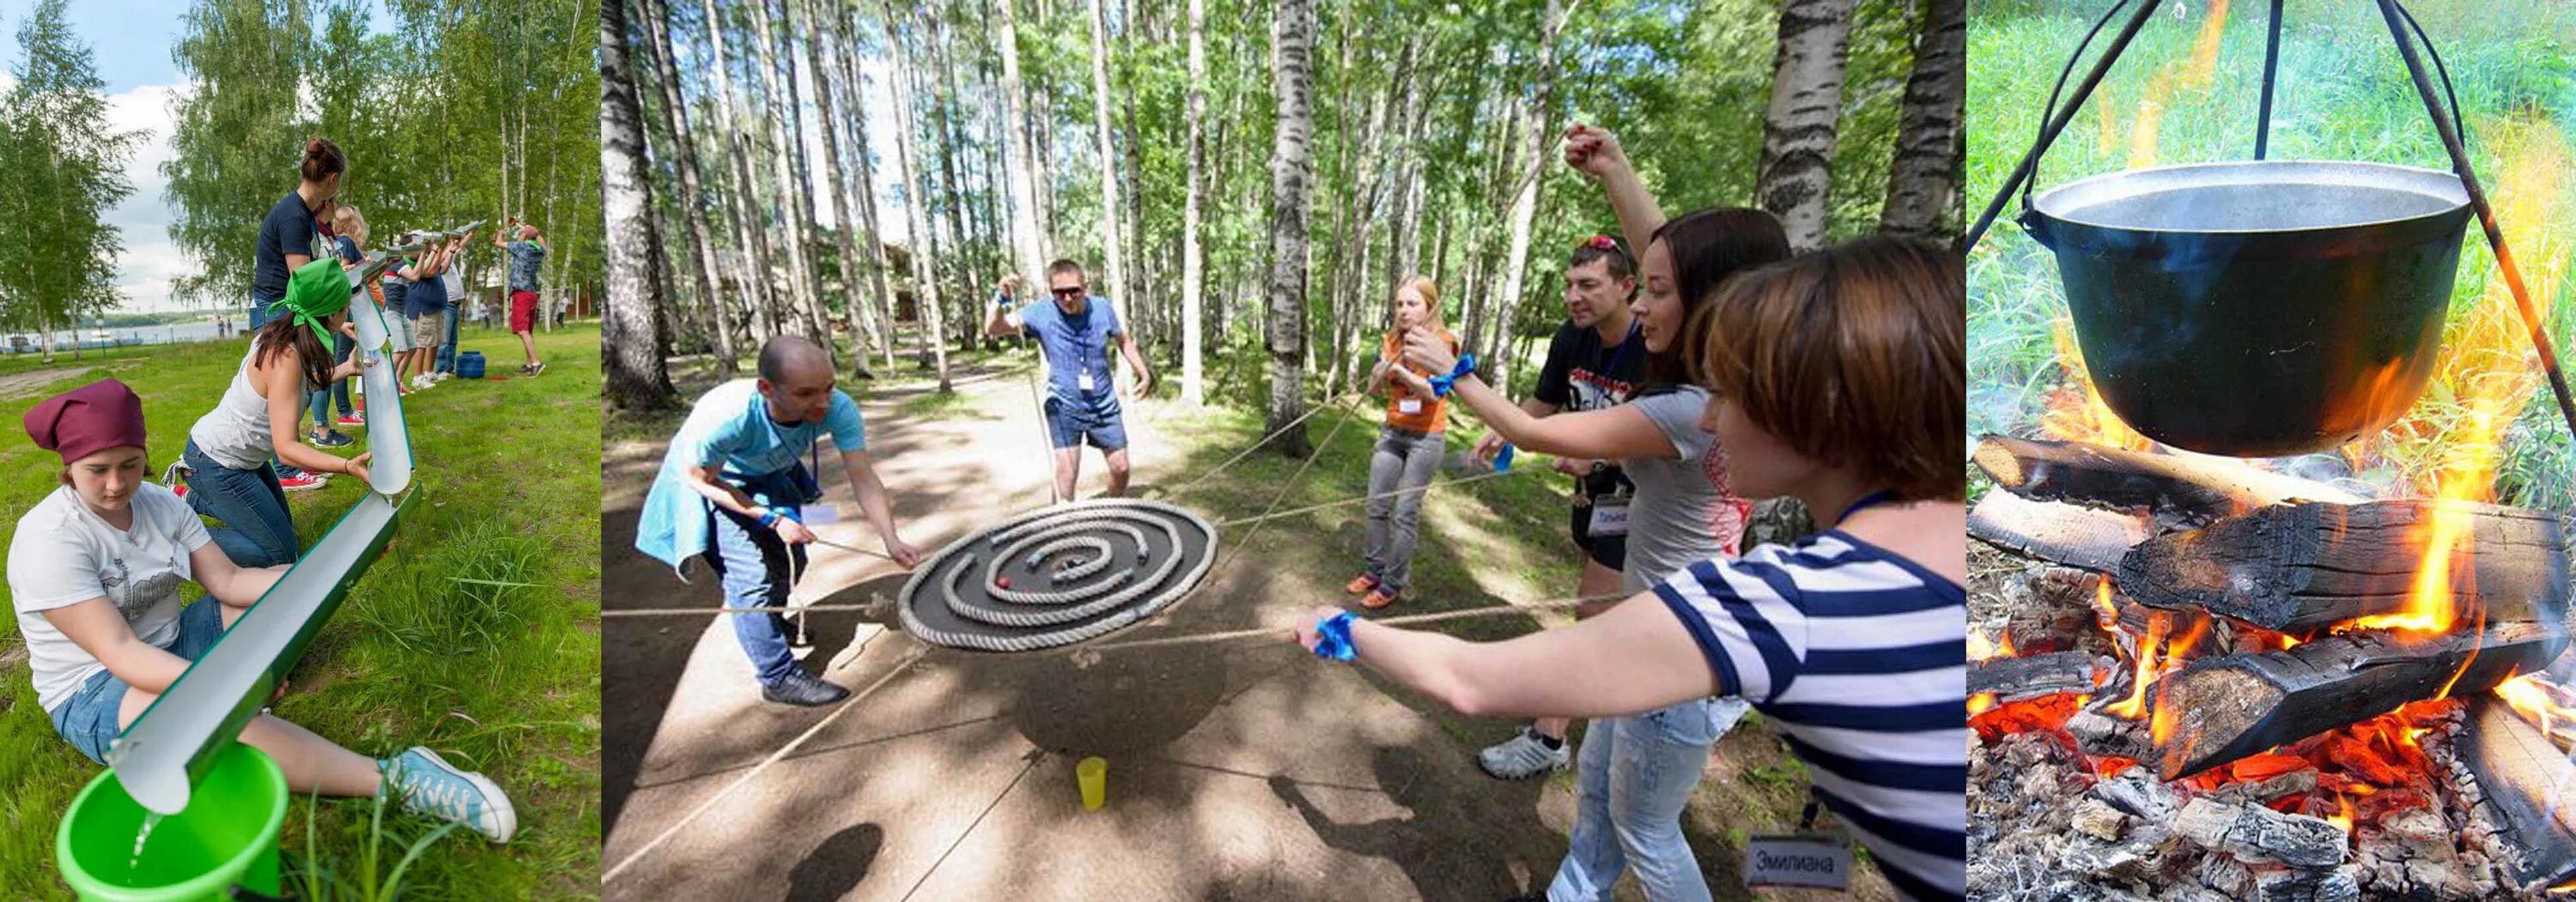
{"x": 1075, "y": 331}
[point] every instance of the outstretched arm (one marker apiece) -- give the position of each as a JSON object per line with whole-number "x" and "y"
{"x": 1615, "y": 432}
{"x": 98, "y": 629}
{"x": 1633, "y": 657}
{"x": 1003, "y": 323}
{"x": 862, "y": 471}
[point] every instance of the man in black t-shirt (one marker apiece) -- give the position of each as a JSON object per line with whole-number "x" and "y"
{"x": 1596, "y": 360}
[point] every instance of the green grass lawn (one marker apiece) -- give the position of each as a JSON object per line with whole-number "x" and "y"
{"x": 498, "y": 678}
{"x": 2343, "y": 94}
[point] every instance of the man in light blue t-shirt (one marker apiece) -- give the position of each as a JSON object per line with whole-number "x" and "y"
{"x": 732, "y": 492}
{"x": 1075, "y": 330}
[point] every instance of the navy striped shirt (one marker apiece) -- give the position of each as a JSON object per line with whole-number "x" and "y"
{"x": 1861, "y": 658}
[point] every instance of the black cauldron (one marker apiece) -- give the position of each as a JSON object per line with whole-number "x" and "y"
{"x": 2257, "y": 309}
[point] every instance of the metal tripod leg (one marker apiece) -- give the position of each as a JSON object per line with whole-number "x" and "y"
{"x": 2048, "y": 134}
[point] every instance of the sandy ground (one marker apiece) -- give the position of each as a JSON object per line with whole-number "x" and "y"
{"x": 1244, "y": 771}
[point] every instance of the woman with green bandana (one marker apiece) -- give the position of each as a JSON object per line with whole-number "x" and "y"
{"x": 227, "y": 459}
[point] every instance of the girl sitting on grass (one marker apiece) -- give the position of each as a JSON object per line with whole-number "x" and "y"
{"x": 1408, "y": 447}
{"x": 1835, "y": 378}
{"x": 94, "y": 572}
{"x": 227, "y": 458}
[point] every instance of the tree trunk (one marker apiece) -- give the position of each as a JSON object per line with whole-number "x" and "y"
{"x": 787, "y": 172}
{"x": 675, "y": 120}
{"x": 1291, "y": 165}
{"x": 1525, "y": 201}
{"x": 1797, "y": 169}
{"x": 1194, "y": 257}
{"x": 856, "y": 313}
{"x": 916, "y": 220}
{"x": 952, "y": 142}
{"x": 629, "y": 338}
{"x": 879, "y": 275}
{"x": 1109, "y": 206}
{"x": 751, "y": 228}
{"x": 1024, "y": 190}
{"x": 1923, "y": 179}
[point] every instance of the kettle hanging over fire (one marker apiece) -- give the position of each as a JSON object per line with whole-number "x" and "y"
{"x": 2267, "y": 307}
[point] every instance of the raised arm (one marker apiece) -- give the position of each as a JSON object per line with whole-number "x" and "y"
{"x": 1616, "y": 432}
{"x": 1003, "y": 323}
{"x": 1595, "y": 153}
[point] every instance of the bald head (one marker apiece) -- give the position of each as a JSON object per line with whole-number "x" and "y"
{"x": 796, "y": 376}
{"x": 787, "y": 357}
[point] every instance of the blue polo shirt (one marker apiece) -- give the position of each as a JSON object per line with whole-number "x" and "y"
{"x": 730, "y": 428}
{"x": 1074, "y": 344}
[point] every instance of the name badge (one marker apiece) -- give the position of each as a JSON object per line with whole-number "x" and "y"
{"x": 1084, "y": 381}
{"x": 1797, "y": 859}
{"x": 1609, "y": 517}
{"x": 1409, "y": 406}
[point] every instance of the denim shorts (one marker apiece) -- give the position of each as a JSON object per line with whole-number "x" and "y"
{"x": 1072, "y": 423}
{"x": 88, "y": 719}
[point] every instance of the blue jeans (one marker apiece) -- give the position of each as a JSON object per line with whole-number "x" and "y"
{"x": 755, "y": 567}
{"x": 320, "y": 401}
{"x": 1635, "y": 774}
{"x": 258, "y": 314}
{"x": 446, "y": 362}
{"x": 88, "y": 719}
{"x": 257, "y": 531}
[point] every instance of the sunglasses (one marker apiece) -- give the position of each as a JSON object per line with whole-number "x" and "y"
{"x": 1074, "y": 292}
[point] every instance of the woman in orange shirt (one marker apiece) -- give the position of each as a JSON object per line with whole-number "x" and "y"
{"x": 1408, "y": 448}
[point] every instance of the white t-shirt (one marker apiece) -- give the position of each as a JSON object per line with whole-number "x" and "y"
{"x": 64, "y": 554}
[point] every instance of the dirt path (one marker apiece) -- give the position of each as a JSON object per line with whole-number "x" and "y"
{"x": 1246, "y": 771}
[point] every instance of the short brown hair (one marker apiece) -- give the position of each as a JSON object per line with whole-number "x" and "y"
{"x": 1064, "y": 265}
{"x": 1854, "y": 356}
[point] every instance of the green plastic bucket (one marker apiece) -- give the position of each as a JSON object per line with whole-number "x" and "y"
{"x": 226, "y": 837}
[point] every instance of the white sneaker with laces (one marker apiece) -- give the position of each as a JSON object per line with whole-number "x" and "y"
{"x": 1523, "y": 756}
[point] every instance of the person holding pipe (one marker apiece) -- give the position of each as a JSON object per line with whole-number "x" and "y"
{"x": 732, "y": 491}
{"x": 94, "y": 574}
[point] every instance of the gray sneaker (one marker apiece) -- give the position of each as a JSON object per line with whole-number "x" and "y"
{"x": 1523, "y": 756}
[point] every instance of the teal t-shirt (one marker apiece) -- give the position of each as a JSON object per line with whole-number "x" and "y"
{"x": 730, "y": 428}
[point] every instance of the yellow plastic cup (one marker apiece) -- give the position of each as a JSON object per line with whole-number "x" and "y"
{"x": 1093, "y": 774}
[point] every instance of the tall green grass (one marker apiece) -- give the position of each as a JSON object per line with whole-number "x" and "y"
{"x": 476, "y": 633}
{"x": 2343, "y": 94}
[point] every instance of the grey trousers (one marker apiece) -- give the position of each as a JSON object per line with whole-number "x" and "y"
{"x": 1404, "y": 460}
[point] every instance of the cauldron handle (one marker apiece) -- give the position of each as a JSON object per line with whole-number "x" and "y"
{"x": 2038, "y": 142}
{"x": 2036, "y": 226}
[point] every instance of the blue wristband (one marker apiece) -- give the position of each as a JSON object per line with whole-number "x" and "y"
{"x": 1333, "y": 638}
{"x": 769, "y": 517}
{"x": 1503, "y": 459}
{"x": 1440, "y": 384}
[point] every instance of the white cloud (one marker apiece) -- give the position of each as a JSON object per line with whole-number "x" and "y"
{"x": 150, "y": 260}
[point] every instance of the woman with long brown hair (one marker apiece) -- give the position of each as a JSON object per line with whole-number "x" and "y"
{"x": 229, "y": 476}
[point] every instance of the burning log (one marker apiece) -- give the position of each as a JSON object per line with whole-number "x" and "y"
{"x": 2031, "y": 676}
{"x": 2532, "y": 786}
{"x": 2299, "y": 568}
{"x": 2069, "y": 534}
{"x": 2190, "y": 489}
{"x": 2256, "y": 833}
{"x": 2217, "y": 710}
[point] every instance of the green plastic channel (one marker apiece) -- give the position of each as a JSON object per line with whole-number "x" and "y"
{"x": 178, "y": 738}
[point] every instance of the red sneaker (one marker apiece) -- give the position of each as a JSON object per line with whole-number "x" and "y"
{"x": 353, "y": 420}
{"x": 302, "y": 482}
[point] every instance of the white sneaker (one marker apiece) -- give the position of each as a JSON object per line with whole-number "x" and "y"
{"x": 440, "y": 376}
{"x": 421, "y": 381}
{"x": 1523, "y": 756}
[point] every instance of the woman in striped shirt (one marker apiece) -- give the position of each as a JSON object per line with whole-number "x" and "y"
{"x": 1835, "y": 378}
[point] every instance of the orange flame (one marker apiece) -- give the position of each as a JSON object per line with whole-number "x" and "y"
{"x": 2535, "y": 703}
{"x": 1980, "y": 703}
{"x": 2075, "y": 411}
{"x": 2485, "y": 379}
{"x": 2106, "y": 614}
